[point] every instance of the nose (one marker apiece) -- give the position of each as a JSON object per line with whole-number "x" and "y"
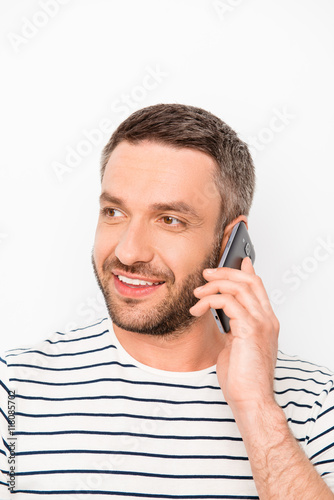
{"x": 135, "y": 245}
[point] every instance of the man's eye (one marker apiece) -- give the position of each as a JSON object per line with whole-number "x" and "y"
{"x": 111, "y": 212}
{"x": 171, "y": 221}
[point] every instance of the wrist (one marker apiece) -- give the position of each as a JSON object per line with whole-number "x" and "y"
{"x": 261, "y": 422}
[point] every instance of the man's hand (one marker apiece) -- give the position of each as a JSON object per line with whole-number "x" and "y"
{"x": 245, "y": 370}
{"x": 245, "y": 367}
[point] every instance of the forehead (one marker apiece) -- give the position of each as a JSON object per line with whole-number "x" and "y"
{"x": 157, "y": 170}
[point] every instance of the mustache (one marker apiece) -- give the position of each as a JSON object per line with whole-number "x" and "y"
{"x": 145, "y": 270}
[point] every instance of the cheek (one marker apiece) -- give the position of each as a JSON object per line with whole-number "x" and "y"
{"x": 103, "y": 245}
{"x": 183, "y": 260}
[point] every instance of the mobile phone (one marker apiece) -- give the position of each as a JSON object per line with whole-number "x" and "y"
{"x": 238, "y": 247}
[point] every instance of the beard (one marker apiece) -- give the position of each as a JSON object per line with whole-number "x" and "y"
{"x": 171, "y": 316}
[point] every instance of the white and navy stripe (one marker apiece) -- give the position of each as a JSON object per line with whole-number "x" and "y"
{"x": 92, "y": 421}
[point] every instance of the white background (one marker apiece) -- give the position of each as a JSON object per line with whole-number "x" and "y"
{"x": 67, "y": 66}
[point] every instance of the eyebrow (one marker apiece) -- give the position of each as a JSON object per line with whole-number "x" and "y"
{"x": 105, "y": 196}
{"x": 173, "y": 206}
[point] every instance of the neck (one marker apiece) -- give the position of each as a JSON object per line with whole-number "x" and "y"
{"x": 194, "y": 349}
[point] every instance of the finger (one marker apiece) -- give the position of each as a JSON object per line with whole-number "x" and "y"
{"x": 247, "y": 272}
{"x": 247, "y": 266}
{"x": 240, "y": 276}
{"x": 227, "y": 273}
{"x": 232, "y": 308}
{"x": 242, "y": 292}
{"x": 241, "y": 324}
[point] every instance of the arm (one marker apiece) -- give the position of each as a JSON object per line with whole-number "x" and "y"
{"x": 280, "y": 468}
{"x": 245, "y": 370}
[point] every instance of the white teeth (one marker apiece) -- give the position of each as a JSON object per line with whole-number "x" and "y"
{"x": 130, "y": 281}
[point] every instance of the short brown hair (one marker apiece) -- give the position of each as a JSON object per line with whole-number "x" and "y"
{"x": 183, "y": 126}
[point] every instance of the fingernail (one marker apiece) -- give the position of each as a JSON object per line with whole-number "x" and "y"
{"x": 198, "y": 288}
{"x": 210, "y": 270}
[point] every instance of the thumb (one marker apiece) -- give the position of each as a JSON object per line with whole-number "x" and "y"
{"x": 247, "y": 266}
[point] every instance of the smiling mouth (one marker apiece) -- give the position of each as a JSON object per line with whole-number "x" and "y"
{"x": 134, "y": 283}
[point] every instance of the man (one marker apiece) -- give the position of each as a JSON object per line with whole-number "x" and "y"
{"x": 153, "y": 401}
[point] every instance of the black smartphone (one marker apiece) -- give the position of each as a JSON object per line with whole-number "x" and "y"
{"x": 238, "y": 247}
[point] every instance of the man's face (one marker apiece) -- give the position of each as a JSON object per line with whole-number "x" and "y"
{"x": 155, "y": 235}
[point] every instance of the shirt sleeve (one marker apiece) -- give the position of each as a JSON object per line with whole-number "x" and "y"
{"x": 320, "y": 439}
{"x": 4, "y": 421}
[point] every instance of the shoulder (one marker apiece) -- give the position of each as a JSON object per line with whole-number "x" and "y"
{"x": 295, "y": 369}
{"x": 300, "y": 384}
{"x": 59, "y": 344}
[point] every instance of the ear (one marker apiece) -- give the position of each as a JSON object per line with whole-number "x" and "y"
{"x": 228, "y": 230}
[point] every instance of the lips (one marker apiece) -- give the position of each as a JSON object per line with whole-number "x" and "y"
{"x": 135, "y": 287}
{"x": 136, "y": 281}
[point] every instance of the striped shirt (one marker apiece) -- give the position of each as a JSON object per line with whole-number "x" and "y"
{"x": 88, "y": 420}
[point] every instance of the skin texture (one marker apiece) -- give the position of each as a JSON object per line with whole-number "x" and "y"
{"x": 148, "y": 243}
{"x": 140, "y": 239}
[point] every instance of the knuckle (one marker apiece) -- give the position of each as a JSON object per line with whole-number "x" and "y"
{"x": 277, "y": 325}
{"x": 258, "y": 281}
{"x": 260, "y": 320}
{"x": 243, "y": 288}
